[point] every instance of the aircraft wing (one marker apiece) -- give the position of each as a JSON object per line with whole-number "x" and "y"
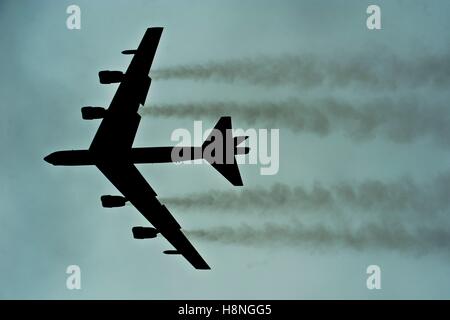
{"x": 119, "y": 126}
{"x": 129, "y": 181}
{"x": 115, "y": 137}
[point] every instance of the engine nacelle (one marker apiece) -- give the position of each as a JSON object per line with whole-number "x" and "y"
{"x": 113, "y": 201}
{"x": 90, "y": 113}
{"x": 107, "y": 76}
{"x": 144, "y": 232}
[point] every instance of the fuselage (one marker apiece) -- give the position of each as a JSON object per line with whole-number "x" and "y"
{"x": 134, "y": 155}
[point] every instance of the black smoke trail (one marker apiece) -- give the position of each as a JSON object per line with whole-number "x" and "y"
{"x": 371, "y": 236}
{"x": 403, "y": 195}
{"x": 382, "y": 70}
{"x": 402, "y": 121}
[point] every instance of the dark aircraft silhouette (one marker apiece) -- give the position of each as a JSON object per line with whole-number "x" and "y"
{"x": 112, "y": 152}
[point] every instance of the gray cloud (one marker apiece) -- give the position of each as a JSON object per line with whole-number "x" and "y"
{"x": 370, "y": 236}
{"x": 402, "y": 121}
{"x": 382, "y": 70}
{"x": 390, "y": 198}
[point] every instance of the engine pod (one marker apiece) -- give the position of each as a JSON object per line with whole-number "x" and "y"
{"x": 113, "y": 201}
{"x": 144, "y": 232}
{"x": 107, "y": 76}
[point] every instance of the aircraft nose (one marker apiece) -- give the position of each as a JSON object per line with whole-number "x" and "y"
{"x": 49, "y": 159}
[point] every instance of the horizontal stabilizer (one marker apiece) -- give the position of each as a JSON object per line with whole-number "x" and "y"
{"x": 239, "y": 140}
{"x": 225, "y": 162}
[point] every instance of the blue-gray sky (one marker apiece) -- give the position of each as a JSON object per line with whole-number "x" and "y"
{"x": 51, "y": 216}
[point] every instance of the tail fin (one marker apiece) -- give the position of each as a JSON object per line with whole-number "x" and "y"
{"x": 220, "y": 148}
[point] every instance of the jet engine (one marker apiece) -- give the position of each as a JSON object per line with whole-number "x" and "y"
{"x": 144, "y": 232}
{"x": 108, "y": 76}
{"x": 113, "y": 201}
{"x": 90, "y": 113}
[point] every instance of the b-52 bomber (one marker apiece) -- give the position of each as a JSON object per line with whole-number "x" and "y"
{"x": 112, "y": 152}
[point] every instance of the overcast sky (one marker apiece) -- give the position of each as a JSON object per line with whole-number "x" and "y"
{"x": 383, "y": 158}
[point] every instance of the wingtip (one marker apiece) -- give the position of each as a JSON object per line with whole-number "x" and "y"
{"x": 238, "y": 183}
{"x": 155, "y": 28}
